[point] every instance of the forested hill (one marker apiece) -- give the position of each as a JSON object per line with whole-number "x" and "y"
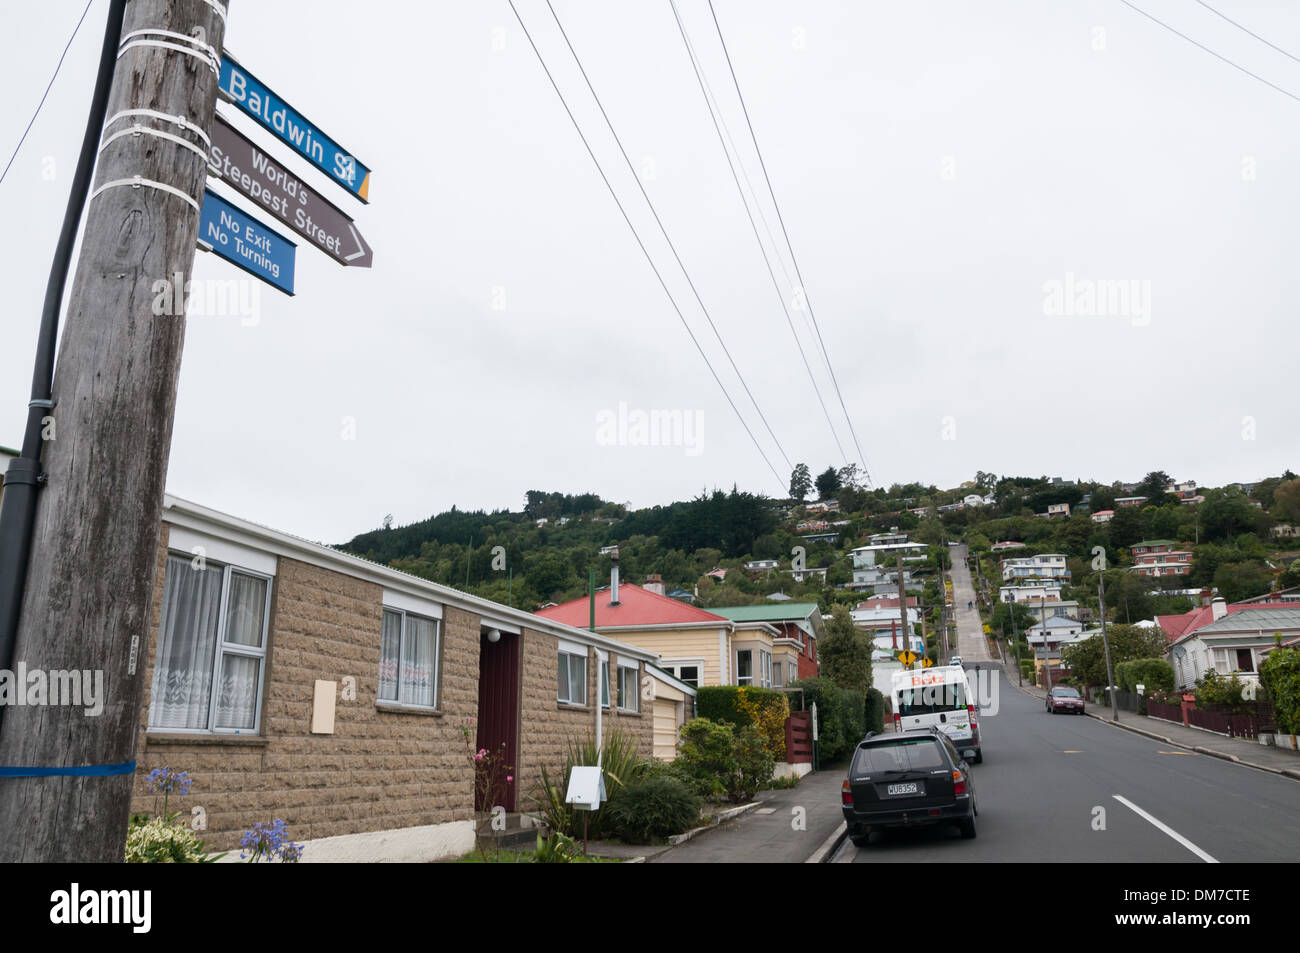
{"x": 1243, "y": 539}
{"x": 551, "y": 544}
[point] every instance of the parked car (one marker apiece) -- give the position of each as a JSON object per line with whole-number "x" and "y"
{"x": 955, "y": 660}
{"x": 1064, "y": 698}
{"x": 907, "y": 779}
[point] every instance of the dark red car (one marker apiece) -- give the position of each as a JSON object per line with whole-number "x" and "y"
{"x": 1064, "y": 698}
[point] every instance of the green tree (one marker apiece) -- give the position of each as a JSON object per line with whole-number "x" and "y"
{"x": 1225, "y": 514}
{"x": 1286, "y": 502}
{"x": 1125, "y": 527}
{"x": 800, "y": 482}
{"x": 1153, "y": 486}
{"x": 845, "y": 652}
{"x": 828, "y": 483}
{"x": 1087, "y": 659}
{"x": 1237, "y": 581}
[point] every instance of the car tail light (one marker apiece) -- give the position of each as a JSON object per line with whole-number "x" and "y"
{"x": 958, "y": 783}
{"x": 846, "y": 793}
{"x": 898, "y": 721}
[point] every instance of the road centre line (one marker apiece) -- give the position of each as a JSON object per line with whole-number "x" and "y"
{"x": 1167, "y": 829}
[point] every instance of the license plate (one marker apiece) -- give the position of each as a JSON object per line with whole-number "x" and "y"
{"x": 913, "y": 787}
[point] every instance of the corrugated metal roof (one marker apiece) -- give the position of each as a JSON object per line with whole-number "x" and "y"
{"x": 1271, "y": 618}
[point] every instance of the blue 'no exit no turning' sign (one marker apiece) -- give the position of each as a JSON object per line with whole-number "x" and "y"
{"x": 244, "y": 241}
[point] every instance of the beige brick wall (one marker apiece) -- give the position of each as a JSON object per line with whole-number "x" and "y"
{"x": 548, "y": 726}
{"x": 380, "y": 769}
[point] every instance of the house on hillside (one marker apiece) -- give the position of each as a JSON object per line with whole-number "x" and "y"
{"x": 1044, "y": 566}
{"x": 794, "y": 648}
{"x": 1226, "y": 638}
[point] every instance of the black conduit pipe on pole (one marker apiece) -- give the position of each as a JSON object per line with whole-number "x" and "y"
{"x": 24, "y": 476}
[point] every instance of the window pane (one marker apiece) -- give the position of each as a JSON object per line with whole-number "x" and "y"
{"x": 690, "y": 674}
{"x": 628, "y": 699}
{"x": 187, "y": 642}
{"x": 237, "y": 697}
{"x": 578, "y": 679}
{"x": 744, "y": 667}
{"x": 562, "y": 679}
{"x": 390, "y": 644}
{"x": 604, "y": 684}
{"x": 417, "y": 662}
{"x": 246, "y": 609}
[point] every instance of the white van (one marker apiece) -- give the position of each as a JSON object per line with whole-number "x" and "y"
{"x": 938, "y": 697}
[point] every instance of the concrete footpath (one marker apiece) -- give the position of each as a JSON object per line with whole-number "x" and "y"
{"x": 797, "y": 825}
{"x": 1246, "y": 751}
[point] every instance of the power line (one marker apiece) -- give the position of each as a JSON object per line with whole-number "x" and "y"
{"x": 641, "y": 245}
{"x": 58, "y": 67}
{"x": 790, "y": 247}
{"x": 699, "y": 76}
{"x": 1243, "y": 29}
{"x": 1210, "y": 51}
{"x": 664, "y": 232}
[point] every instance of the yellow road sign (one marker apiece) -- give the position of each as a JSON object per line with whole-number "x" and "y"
{"x": 907, "y": 656}
{"x": 927, "y": 662}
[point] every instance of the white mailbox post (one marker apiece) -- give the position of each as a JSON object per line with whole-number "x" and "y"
{"x": 586, "y": 792}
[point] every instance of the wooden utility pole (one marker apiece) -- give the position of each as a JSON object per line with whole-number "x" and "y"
{"x": 94, "y": 556}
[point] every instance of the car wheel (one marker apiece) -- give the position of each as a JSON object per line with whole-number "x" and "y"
{"x": 860, "y": 840}
{"x": 979, "y": 756}
{"x": 967, "y": 826}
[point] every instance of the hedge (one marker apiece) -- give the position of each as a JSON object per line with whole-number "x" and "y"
{"x": 875, "y": 710}
{"x": 1280, "y": 673}
{"x": 743, "y": 705}
{"x": 841, "y": 716}
{"x": 1154, "y": 673}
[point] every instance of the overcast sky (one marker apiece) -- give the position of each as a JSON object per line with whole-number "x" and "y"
{"x": 939, "y": 166}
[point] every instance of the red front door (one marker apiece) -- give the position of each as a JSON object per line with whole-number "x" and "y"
{"x": 498, "y": 715}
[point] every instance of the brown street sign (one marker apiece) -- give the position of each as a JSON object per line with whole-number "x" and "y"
{"x": 249, "y": 169}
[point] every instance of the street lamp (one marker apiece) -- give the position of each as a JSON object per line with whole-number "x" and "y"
{"x": 1047, "y": 661}
{"x": 1105, "y": 643}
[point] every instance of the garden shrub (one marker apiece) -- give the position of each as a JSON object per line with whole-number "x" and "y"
{"x": 157, "y": 840}
{"x": 754, "y": 763}
{"x": 735, "y": 764}
{"x": 1154, "y": 673}
{"x": 1214, "y": 689}
{"x": 1280, "y": 673}
{"x": 620, "y": 766}
{"x": 652, "y": 809}
{"x": 743, "y": 705}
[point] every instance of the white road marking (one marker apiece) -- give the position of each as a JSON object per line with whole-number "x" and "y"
{"x": 1167, "y": 829}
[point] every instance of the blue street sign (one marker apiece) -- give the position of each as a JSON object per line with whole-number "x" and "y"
{"x": 244, "y": 241}
{"x": 253, "y": 96}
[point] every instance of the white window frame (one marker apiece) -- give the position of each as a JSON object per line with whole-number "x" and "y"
{"x": 222, "y": 649}
{"x": 571, "y": 656}
{"x": 435, "y": 676}
{"x": 745, "y": 679}
{"x": 635, "y": 690}
{"x": 674, "y": 666}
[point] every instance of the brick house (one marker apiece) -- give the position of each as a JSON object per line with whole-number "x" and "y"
{"x": 794, "y": 647}
{"x": 246, "y": 625}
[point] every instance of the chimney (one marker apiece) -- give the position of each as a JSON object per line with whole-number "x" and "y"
{"x": 1206, "y": 597}
{"x": 613, "y": 578}
{"x": 654, "y": 583}
{"x": 1219, "y": 608}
